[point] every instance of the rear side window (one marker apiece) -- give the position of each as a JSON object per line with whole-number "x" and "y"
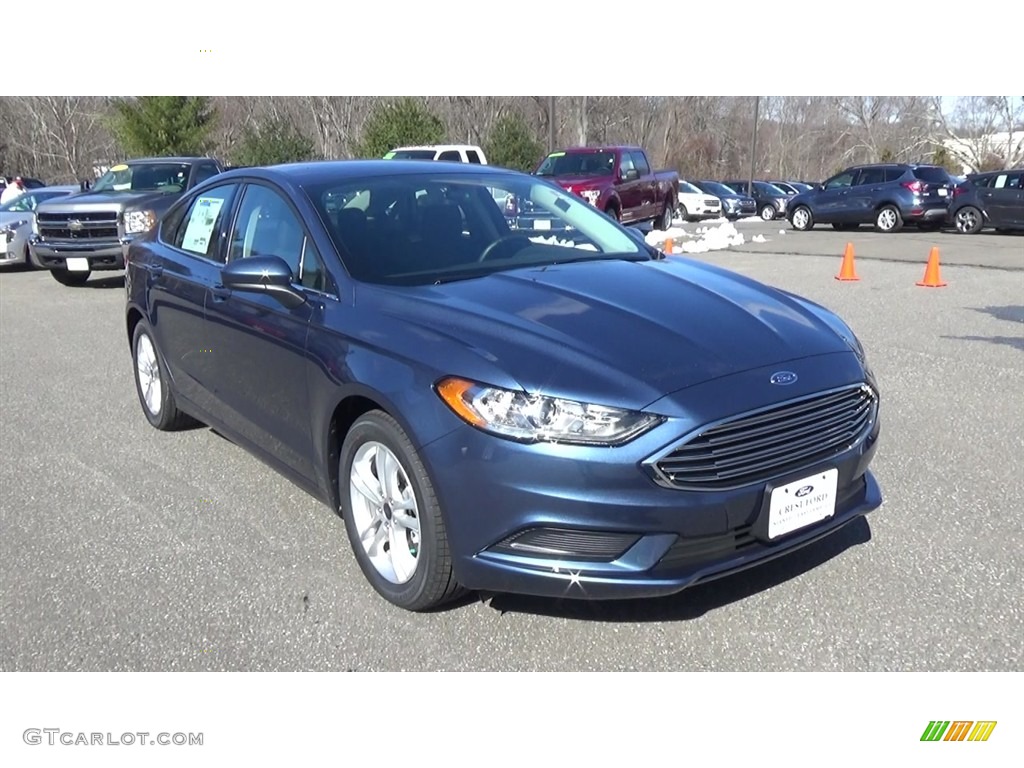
{"x": 894, "y": 174}
{"x": 1015, "y": 181}
{"x": 932, "y": 175}
{"x": 473, "y": 157}
{"x": 198, "y": 230}
{"x": 874, "y": 176}
{"x": 451, "y": 155}
{"x": 981, "y": 181}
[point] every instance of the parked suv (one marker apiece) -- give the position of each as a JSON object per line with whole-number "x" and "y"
{"x": 771, "y": 201}
{"x": 887, "y": 195}
{"x": 993, "y": 199}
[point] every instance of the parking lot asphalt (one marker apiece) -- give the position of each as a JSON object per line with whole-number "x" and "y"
{"x": 123, "y": 548}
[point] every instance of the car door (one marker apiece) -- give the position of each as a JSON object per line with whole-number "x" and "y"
{"x": 628, "y": 190}
{"x": 178, "y": 271}
{"x": 649, "y": 206}
{"x": 1003, "y": 194}
{"x": 259, "y": 345}
{"x": 862, "y": 197}
{"x": 829, "y": 204}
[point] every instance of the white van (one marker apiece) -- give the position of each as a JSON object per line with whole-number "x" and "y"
{"x": 453, "y": 153}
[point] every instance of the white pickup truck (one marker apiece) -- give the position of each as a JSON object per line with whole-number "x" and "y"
{"x": 451, "y": 153}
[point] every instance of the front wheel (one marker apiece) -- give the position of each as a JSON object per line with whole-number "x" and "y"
{"x": 767, "y": 212}
{"x": 802, "y": 219}
{"x": 392, "y": 516}
{"x": 888, "y": 219}
{"x": 70, "y": 279}
{"x": 683, "y": 213}
{"x": 969, "y": 220}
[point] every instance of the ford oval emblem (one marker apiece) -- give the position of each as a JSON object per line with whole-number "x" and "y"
{"x": 800, "y": 492}
{"x": 783, "y": 378}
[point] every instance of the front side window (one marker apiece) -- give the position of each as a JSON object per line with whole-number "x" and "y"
{"x": 842, "y": 180}
{"x": 198, "y": 229}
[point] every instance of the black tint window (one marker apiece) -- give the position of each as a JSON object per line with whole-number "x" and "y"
{"x": 873, "y": 176}
{"x": 267, "y": 226}
{"x": 205, "y": 171}
{"x": 981, "y": 181}
{"x": 473, "y": 157}
{"x": 894, "y": 174}
{"x": 932, "y": 174}
{"x": 1015, "y": 181}
{"x": 641, "y": 163}
{"x": 451, "y": 154}
{"x": 197, "y": 231}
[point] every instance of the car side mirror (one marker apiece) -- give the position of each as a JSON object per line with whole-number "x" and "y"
{"x": 631, "y": 175}
{"x": 263, "y": 274}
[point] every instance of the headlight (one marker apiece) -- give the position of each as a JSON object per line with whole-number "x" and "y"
{"x": 537, "y": 418}
{"x": 138, "y": 221}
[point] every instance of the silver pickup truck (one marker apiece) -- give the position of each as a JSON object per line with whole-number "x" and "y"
{"x": 79, "y": 234}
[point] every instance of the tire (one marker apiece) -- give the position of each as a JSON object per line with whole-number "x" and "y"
{"x": 802, "y": 219}
{"x": 969, "y": 220}
{"x": 683, "y": 213}
{"x": 70, "y": 279}
{"x": 767, "y": 213}
{"x": 421, "y": 577}
{"x": 888, "y": 219}
{"x": 612, "y": 211}
{"x": 153, "y": 385}
{"x": 665, "y": 220}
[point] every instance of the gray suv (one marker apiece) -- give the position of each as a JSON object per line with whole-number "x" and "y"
{"x": 887, "y": 195}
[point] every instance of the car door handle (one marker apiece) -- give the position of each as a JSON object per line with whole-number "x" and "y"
{"x": 156, "y": 270}
{"x": 220, "y": 293}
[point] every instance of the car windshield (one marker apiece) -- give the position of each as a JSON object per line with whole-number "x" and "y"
{"x": 144, "y": 177}
{"x": 432, "y": 228}
{"x": 715, "y": 188}
{"x": 578, "y": 164}
{"x": 410, "y": 154}
{"x": 688, "y": 188}
{"x": 769, "y": 189}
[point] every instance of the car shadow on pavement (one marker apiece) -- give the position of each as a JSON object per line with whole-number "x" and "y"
{"x": 698, "y": 600}
{"x": 1011, "y": 314}
{"x": 114, "y": 281}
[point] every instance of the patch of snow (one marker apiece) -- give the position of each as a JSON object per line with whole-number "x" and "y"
{"x": 758, "y": 239}
{"x": 564, "y": 243}
{"x": 707, "y": 239}
{"x": 782, "y": 231}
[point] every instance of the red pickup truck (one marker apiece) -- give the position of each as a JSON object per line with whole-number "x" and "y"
{"x": 618, "y": 180}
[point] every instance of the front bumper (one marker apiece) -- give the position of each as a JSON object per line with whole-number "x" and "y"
{"x": 102, "y": 256}
{"x": 612, "y": 532}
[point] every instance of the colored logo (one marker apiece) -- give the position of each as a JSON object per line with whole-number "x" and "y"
{"x": 958, "y": 730}
{"x": 804, "y": 491}
{"x": 783, "y": 378}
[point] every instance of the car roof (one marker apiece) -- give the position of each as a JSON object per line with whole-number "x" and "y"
{"x": 320, "y": 171}
{"x": 603, "y": 148}
{"x": 175, "y": 159}
{"x": 437, "y": 147}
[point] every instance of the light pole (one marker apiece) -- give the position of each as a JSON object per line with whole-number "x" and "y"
{"x": 753, "y": 146}
{"x": 551, "y": 123}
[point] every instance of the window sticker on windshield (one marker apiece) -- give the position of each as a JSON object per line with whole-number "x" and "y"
{"x": 557, "y": 154}
{"x": 201, "y": 224}
{"x": 119, "y": 168}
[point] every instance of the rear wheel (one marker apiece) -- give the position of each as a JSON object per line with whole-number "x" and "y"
{"x": 767, "y": 212}
{"x": 392, "y": 516}
{"x": 153, "y": 385}
{"x": 888, "y": 219}
{"x": 969, "y": 220}
{"x": 64, "y": 277}
{"x": 665, "y": 222}
{"x": 802, "y": 219}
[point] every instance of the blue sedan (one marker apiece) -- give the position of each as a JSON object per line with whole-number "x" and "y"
{"x": 562, "y": 413}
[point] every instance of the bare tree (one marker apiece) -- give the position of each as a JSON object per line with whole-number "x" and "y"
{"x": 982, "y": 131}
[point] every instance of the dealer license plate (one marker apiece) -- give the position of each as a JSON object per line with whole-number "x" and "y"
{"x": 802, "y": 503}
{"x": 77, "y": 265}
{"x": 542, "y": 224}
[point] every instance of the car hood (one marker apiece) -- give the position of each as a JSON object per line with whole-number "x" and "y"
{"x": 619, "y": 332}
{"x": 9, "y": 217}
{"x": 87, "y": 201}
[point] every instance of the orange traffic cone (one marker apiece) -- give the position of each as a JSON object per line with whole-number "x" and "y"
{"x": 932, "y": 279}
{"x": 667, "y": 248}
{"x": 847, "y": 271}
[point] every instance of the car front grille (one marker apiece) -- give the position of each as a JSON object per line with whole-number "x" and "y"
{"x": 771, "y": 442}
{"x": 93, "y": 225}
{"x": 711, "y": 203}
